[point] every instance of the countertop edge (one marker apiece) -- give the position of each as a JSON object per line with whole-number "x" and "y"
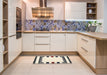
{"x": 82, "y": 33}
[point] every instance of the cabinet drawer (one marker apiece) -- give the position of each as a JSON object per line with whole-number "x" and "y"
{"x": 42, "y": 40}
{"x": 84, "y": 51}
{"x": 85, "y": 42}
{"x": 42, "y": 34}
{"x": 42, "y": 47}
{"x": 87, "y": 48}
{"x": 84, "y": 39}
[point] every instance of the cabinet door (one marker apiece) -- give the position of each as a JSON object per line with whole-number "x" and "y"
{"x": 80, "y": 44}
{"x": 1, "y": 56}
{"x": 87, "y": 48}
{"x": 92, "y": 52}
{"x": 57, "y": 42}
{"x": 28, "y": 42}
{"x": 1, "y": 19}
{"x": 12, "y": 48}
{"x": 12, "y": 17}
{"x": 19, "y": 45}
{"x": 75, "y": 10}
{"x": 71, "y": 42}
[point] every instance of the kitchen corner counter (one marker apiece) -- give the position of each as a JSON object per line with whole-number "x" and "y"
{"x": 96, "y": 35}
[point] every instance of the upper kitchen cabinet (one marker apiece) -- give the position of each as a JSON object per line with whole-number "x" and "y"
{"x": 91, "y": 10}
{"x": 75, "y": 10}
{"x": 1, "y": 19}
{"x": 11, "y": 18}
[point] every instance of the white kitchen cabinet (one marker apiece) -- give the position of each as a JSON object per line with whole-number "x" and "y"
{"x": 28, "y": 42}
{"x": 1, "y": 56}
{"x": 42, "y": 42}
{"x": 1, "y": 6}
{"x": 12, "y": 48}
{"x": 87, "y": 49}
{"x": 75, "y": 10}
{"x": 58, "y": 42}
{"x": 71, "y": 42}
{"x": 19, "y": 45}
{"x": 12, "y": 17}
{"x": 92, "y": 52}
{"x": 42, "y": 47}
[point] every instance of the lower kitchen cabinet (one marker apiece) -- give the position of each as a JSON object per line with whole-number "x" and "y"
{"x": 71, "y": 42}
{"x": 19, "y": 45}
{"x": 87, "y": 49}
{"x": 42, "y": 42}
{"x": 42, "y": 47}
{"x": 12, "y": 48}
{"x": 58, "y": 41}
{"x": 28, "y": 42}
{"x": 1, "y": 56}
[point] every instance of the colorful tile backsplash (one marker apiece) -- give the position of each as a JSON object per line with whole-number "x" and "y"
{"x": 48, "y": 25}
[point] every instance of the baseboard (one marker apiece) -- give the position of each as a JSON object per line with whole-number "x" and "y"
{"x": 10, "y": 64}
{"x": 101, "y": 71}
{"x": 91, "y": 67}
{"x": 49, "y": 53}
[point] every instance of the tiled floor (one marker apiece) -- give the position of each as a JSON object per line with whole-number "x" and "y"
{"x": 23, "y": 66}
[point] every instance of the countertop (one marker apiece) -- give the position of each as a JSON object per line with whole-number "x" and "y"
{"x": 96, "y": 35}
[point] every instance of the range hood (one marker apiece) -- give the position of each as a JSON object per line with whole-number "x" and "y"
{"x": 42, "y": 12}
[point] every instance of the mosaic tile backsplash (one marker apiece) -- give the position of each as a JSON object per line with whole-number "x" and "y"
{"x": 48, "y": 25}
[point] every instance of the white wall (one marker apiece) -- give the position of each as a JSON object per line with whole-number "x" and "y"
{"x": 58, "y": 6}
{"x": 105, "y": 16}
{"x": 29, "y": 5}
{"x": 19, "y": 3}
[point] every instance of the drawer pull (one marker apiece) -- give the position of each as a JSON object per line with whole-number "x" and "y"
{"x": 84, "y": 49}
{"x": 42, "y": 44}
{"x": 42, "y": 36}
{"x": 12, "y": 35}
{"x": 84, "y": 40}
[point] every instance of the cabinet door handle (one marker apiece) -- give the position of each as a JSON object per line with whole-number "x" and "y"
{"x": 84, "y": 49}
{"x": 42, "y": 36}
{"x": 12, "y": 35}
{"x": 42, "y": 44}
{"x": 84, "y": 40}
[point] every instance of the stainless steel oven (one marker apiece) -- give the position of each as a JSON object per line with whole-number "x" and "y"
{"x": 18, "y": 23}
